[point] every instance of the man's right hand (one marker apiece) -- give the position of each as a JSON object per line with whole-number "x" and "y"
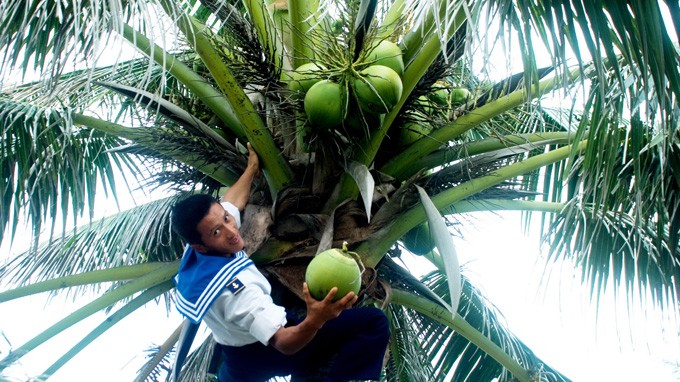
{"x": 320, "y": 311}
{"x": 290, "y": 339}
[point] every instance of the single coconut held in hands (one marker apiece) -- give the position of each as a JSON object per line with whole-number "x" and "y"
{"x": 334, "y": 268}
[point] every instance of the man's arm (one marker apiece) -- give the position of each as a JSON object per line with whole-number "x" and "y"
{"x": 289, "y": 340}
{"x": 239, "y": 192}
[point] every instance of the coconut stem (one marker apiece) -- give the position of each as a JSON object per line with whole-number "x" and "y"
{"x": 355, "y": 256}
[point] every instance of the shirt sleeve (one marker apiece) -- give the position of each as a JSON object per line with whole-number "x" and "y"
{"x": 233, "y": 211}
{"x": 250, "y": 312}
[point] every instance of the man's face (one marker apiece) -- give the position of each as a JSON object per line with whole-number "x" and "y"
{"x": 218, "y": 232}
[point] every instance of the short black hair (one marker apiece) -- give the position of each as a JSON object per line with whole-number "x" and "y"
{"x": 188, "y": 212}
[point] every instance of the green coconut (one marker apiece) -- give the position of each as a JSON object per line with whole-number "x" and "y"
{"x": 439, "y": 96}
{"x": 305, "y": 76}
{"x": 459, "y": 96}
{"x": 378, "y": 89}
{"x": 358, "y": 123}
{"x": 388, "y": 54}
{"x": 413, "y": 131}
{"x": 324, "y": 104}
{"x": 333, "y": 268}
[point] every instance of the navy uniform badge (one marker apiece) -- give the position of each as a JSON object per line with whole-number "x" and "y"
{"x": 235, "y": 285}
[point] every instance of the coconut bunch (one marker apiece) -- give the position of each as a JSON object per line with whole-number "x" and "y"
{"x": 334, "y": 96}
{"x": 430, "y": 110}
{"x": 349, "y": 88}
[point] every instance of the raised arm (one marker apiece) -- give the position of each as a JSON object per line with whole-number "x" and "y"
{"x": 239, "y": 192}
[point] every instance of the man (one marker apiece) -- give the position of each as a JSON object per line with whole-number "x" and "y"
{"x": 219, "y": 284}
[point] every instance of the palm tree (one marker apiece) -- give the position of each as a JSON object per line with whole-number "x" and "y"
{"x": 371, "y": 166}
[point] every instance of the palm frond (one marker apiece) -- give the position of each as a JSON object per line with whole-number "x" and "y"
{"x": 451, "y": 356}
{"x": 52, "y": 170}
{"x": 81, "y": 91}
{"x": 200, "y": 363}
{"x": 251, "y": 63}
{"x": 161, "y": 368}
{"x": 152, "y": 284}
{"x": 626, "y": 194}
{"x": 163, "y": 118}
{"x": 508, "y": 85}
{"x": 614, "y": 246}
{"x": 612, "y": 162}
{"x": 138, "y": 235}
{"x": 159, "y": 360}
{"x": 51, "y": 35}
{"x": 74, "y": 86}
{"x": 408, "y": 361}
{"x": 628, "y": 42}
{"x": 113, "y": 319}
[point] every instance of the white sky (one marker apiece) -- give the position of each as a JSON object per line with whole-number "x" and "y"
{"x": 555, "y": 317}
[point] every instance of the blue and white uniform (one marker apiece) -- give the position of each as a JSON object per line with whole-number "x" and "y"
{"x": 242, "y": 317}
{"x": 233, "y": 298}
{"x": 229, "y": 294}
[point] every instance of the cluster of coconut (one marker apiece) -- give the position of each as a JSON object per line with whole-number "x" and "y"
{"x": 377, "y": 86}
{"x": 441, "y": 97}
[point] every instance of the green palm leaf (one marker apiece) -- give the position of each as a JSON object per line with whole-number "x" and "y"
{"x": 50, "y": 169}
{"x": 138, "y": 235}
{"x": 49, "y": 35}
{"x": 451, "y": 355}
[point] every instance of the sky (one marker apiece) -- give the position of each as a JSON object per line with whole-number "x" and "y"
{"x": 555, "y": 317}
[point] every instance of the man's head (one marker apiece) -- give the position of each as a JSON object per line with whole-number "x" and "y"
{"x": 206, "y": 226}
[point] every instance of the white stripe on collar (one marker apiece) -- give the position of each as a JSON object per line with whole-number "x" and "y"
{"x": 196, "y": 310}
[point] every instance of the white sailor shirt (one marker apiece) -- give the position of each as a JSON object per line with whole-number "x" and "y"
{"x": 241, "y": 316}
